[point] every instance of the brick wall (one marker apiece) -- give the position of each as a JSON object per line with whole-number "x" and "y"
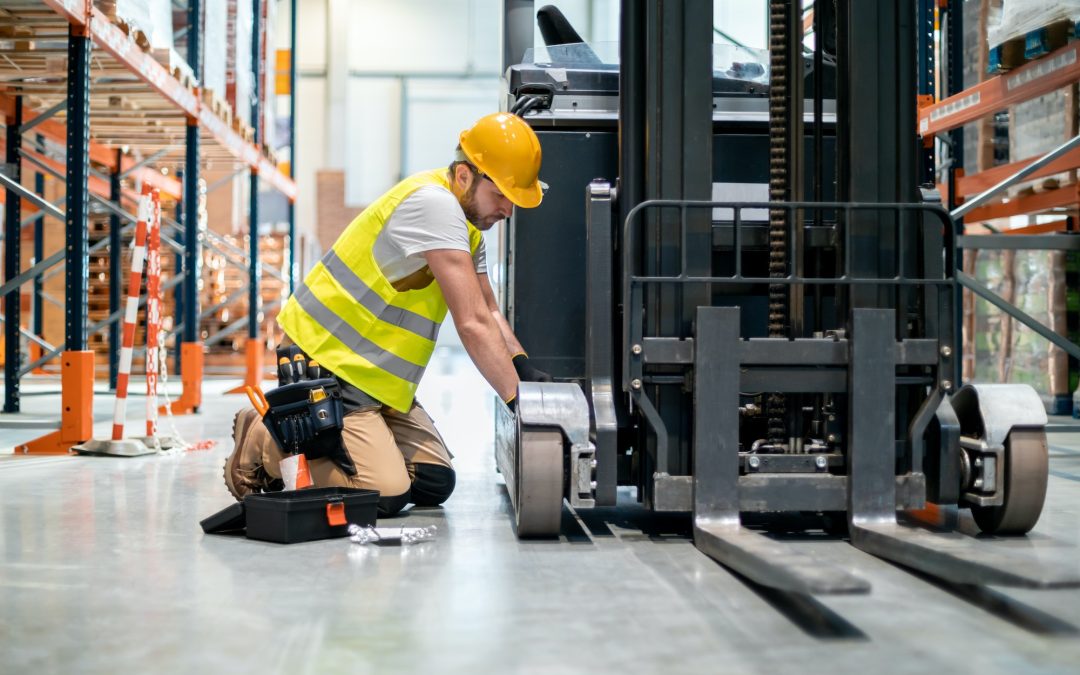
{"x": 1037, "y": 126}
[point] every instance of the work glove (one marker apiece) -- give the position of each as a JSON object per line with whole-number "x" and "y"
{"x": 527, "y": 373}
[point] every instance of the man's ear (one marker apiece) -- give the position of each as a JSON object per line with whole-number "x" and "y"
{"x": 463, "y": 177}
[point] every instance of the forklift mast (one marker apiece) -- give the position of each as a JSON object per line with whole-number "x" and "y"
{"x": 750, "y": 313}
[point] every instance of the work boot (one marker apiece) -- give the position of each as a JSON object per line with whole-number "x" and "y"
{"x": 244, "y": 473}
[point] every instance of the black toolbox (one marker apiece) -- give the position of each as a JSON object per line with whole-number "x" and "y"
{"x": 292, "y": 516}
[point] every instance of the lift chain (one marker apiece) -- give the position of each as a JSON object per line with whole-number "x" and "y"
{"x": 775, "y": 405}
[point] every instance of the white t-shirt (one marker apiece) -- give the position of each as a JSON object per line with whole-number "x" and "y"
{"x": 428, "y": 219}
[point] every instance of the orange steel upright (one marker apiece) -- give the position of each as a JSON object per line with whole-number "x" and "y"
{"x": 253, "y": 367}
{"x": 77, "y": 415}
{"x": 191, "y": 375}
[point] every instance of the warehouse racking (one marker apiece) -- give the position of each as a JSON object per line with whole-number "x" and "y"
{"x": 984, "y": 195}
{"x": 85, "y": 104}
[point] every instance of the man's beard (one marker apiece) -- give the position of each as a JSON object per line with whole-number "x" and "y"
{"x": 469, "y": 205}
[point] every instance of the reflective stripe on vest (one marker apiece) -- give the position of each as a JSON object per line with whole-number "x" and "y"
{"x": 347, "y": 316}
{"x": 355, "y": 341}
{"x": 366, "y": 296}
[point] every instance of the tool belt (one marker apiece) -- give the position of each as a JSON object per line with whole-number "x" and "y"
{"x": 305, "y": 413}
{"x": 308, "y": 417}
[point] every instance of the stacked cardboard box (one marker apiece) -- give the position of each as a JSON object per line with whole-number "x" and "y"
{"x": 1021, "y": 30}
{"x": 215, "y": 17}
{"x": 238, "y": 67}
{"x": 267, "y": 73}
{"x": 148, "y": 22}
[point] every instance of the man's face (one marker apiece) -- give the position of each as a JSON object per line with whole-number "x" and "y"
{"x": 483, "y": 203}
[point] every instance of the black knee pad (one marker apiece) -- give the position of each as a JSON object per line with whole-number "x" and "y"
{"x": 390, "y": 506}
{"x": 432, "y": 484}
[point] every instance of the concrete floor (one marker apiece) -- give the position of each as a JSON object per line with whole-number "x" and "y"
{"x": 103, "y": 568}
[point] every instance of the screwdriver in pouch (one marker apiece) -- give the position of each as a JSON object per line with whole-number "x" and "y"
{"x": 284, "y": 371}
{"x": 296, "y": 355}
{"x": 314, "y": 372}
{"x": 300, "y": 367}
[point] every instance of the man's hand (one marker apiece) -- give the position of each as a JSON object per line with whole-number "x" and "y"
{"x": 527, "y": 373}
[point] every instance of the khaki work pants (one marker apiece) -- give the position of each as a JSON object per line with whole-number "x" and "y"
{"x": 387, "y": 447}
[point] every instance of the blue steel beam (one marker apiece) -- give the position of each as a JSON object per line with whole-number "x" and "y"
{"x": 954, "y": 84}
{"x": 116, "y": 278}
{"x": 253, "y": 214}
{"x": 191, "y": 189}
{"x": 294, "y": 266}
{"x": 924, "y": 31}
{"x": 38, "y": 326}
{"x": 78, "y": 192}
{"x": 178, "y": 292}
{"x": 12, "y": 262}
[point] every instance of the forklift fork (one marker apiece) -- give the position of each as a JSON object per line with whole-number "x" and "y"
{"x": 871, "y": 480}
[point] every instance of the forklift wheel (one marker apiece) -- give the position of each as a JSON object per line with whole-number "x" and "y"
{"x": 539, "y": 483}
{"x": 1026, "y": 468}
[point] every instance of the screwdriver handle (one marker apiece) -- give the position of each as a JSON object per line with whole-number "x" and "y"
{"x": 299, "y": 367}
{"x": 284, "y": 371}
{"x": 314, "y": 372}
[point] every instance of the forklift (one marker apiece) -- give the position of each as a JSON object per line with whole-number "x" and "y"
{"x": 748, "y": 301}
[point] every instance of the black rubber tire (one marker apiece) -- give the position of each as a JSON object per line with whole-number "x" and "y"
{"x": 1027, "y": 465}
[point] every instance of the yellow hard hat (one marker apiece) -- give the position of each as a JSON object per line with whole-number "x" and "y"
{"x": 505, "y": 149}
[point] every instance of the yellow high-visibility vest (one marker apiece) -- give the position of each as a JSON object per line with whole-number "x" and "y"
{"x": 347, "y": 316}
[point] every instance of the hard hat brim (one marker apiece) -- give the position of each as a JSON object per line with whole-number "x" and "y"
{"x": 525, "y": 198}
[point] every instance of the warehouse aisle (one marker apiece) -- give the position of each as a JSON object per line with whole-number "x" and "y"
{"x": 103, "y": 568}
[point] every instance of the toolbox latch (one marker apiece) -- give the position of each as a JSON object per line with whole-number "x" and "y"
{"x": 335, "y": 513}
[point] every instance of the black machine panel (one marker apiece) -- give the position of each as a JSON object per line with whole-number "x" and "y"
{"x": 547, "y": 251}
{"x": 546, "y": 245}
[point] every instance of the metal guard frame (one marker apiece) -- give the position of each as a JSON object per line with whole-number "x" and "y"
{"x": 633, "y": 297}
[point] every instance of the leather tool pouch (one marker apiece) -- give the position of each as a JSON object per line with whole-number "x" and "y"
{"x": 308, "y": 417}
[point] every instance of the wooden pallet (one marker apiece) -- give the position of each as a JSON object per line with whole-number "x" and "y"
{"x": 1034, "y": 44}
{"x": 21, "y": 36}
{"x": 243, "y": 129}
{"x": 171, "y": 61}
{"x": 218, "y": 105}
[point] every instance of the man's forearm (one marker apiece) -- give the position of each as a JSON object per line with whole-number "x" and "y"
{"x": 508, "y": 336}
{"x": 486, "y": 346}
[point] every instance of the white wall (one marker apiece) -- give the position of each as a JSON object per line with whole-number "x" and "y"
{"x": 424, "y": 36}
{"x": 386, "y": 85}
{"x": 310, "y": 104}
{"x": 384, "y": 88}
{"x": 418, "y": 72}
{"x": 435, "y": 113}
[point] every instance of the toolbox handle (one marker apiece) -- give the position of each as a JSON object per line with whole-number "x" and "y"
{"x": 335, "y": 513}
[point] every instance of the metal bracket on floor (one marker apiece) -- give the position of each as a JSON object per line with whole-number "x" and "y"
{"x": 77, "y": 403}
{"x": 191, "y": 374}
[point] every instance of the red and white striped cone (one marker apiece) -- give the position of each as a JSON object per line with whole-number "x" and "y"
{"x": 153, "y": 311}
{"x": 131, "y": 313}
